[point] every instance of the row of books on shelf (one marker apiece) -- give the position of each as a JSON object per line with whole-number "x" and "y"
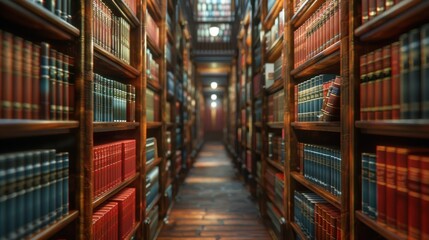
{"x": 35, "y": 80}
{"x": 169, "y": 143}
{"x": 151, "y": 150}
{"x": 276, "y": 31}
{"x": 113, "y": 101}
{"x": 132, "y": 5}
{"x": 178, "y": 161}
{"x": 320, "y": 31}
{"x": 393, "y": 79}
{"x": 395, "y": 189}
{"x": 34, "y": 190}
{"x": 152, "y": 106}
{"x": 257, "y": 55}
{"x": 276, "y": 107}
{"x": 169, "y": 53}
{"x": 258, "y": 141}
{"x": 276, "y": 147}
{"x": 318, "y": 99}
{"x": 170, "y": 24}
{"x": 152, "y": 67}
{"x": 322, "y": 166}
{"x": 317, "y": 218}
{"x": 153, "y": 220}
{"x": 248, "y": 159}
{"x": 274, "y": 71}
{"x": 270, "y": 4}
{"x": 373, "y": 8}
{"x": 179, "y": 92}
{"x": 113, "y": 163}
{"x": 168, "y": 194}
{"x": 179, "y": 136}
{"x": 276, "y": 218}
{"x": 170, "y": 83}
{"x": 258, "y": 84}
{"x": 116, "y": 218}
{"x": 61, "y": 8}
{"x": 152, "y": 186}
{"x": 258, "y": 110}
{"x": 152, "y": 29}
{"x": 111, "y": 32}
{"x": 168, "y": 111}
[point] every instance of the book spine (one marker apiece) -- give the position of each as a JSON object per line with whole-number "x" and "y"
{"x": 365, "y": 183}
{"x": 381, "y": 183}
{"x": 44, "y": 82}
{"x": 387, "y": 83}
{"x": 405, "y": 73}
{"x": 371, "y": 86}
{"x": 17, "y": 78}
{"x": 36, "y": 86}
{"x": 424, "y": 213}
{"x": 401, "y": 189}
{"x": 414, "y": 197}
{"x": 414, "y": 82}
{"x": 372, "y": 177}
{"x": 52, "y": 84}
{"x": 425, "y": 70}
{"x": 27, "y": 86}
{"x": 66, "y": 84}
{"x": 372, "y": 11}
{"x": 378, "y": 90}
{"x": 363, "y": 88}
{"x": 59, "y": 86}
{"x": 391, "y": 186}
{"x": 396, "y": 81}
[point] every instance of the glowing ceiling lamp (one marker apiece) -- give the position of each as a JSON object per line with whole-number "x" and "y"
{"x": 213, "y": 85}
{"x": 214, "y": 31}
{"x": 213, "y": 96}
{"x": 213, "y": 104}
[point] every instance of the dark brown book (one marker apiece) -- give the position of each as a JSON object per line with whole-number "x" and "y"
{"x": 363, "y": 88}
{"x": 387, "y": 83}
{"x": 396, "y": 84}
{"x": 52, "y": 84}
{"x": 17, "y": 81}
{"x": 35, "y": 92}
{"x": 370, "y": 102}
{"x": 44, "y": 81}
{"x": 378, "y": 90}
{"x": 27, "y": 80}
{"x": 59, "y": 86}
{"x": 6, "y": 72}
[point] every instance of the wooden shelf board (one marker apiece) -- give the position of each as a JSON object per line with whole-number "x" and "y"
{"x": 272, "y": 14}
{"x": 418, "y": 128}
{"x": 134, "y": 230}
{"x": 317, "y": 126}
{"x": 382, "y": 229}
{"x": 151, "y": 125}
{"x": 276, "y": 125}
{"x": 401, "y": 17}
{"x": 154, "y": 203}
{"x": 126, "y": 12}
{"x": 153, "y": 164}
{"x": 154, "y": 10}
{"x": 51, "y": 230}
{"x": 334, "y": 200}
{"x": 154, "y": 85}
{"x": 170, "y": 37}
{"x": 305, "y": 11}
{"x": 319, "y": 63}
{"x": 275, "y": 51}
{"x": 276, "y": 165}
{"x": 155, "y": 50}
{"x": 273, "y": 201}
{"x": 10, "y": 128}
{"x": 107, "y": 63}
{"x": 44, "y": 23}
{"x": 101, "y": 199}
{"x": 114, "y": 126}
{"x": 170, "y": 6}
{"x": 277, "y": 86}
{"x": 298, "y": 231}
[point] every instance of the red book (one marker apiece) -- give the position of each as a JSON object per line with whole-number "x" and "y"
{"x": 396, "y": 81}
{"x": 424, "y": 213}
{"x": 372, "y": 12}
{"x": 35, "y": 74}
{"x": 391, "y": 186}
{"x": 380, "y": 6}
{"x": 17, "y": 78}
{"x": 363, "y": 88}
{"x": 414, "y": 196}
{"x": 401, "y": 187}
{"x": 370, "y": 101}
{"x": 378, "y": 90}
{"x": 156, "y": 108}
{"x": 27, "y": 87}
{"x": 387, "y": 83}
{"x": 381, "y": 183}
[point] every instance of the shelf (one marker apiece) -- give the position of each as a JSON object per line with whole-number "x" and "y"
{"x": 126, "y": 12}
{"x": 101, "y": 199}
{"x": 275, "y": 125}
{"x": 44, "y": 23}
{"x": 155, "y": 50}
{"x": 317, "y": 126}
{"x": 170, "y": 37}
{"x": 305, "y": 11}
{"x": 153, "y": 164}
{"x": 275, "y": 51}
{"x": 298, "y": 231}
{"x": 154, "y": 86}
{"x": 323, "y": 62}
{"x": 277, "y": 86}
{"x": 154, "y": 203}
{"x": 51, "y": 230}
{"x": 135, "y": 228}
{"x": 272, "y": 15}
{"x": 276, "y": 165}
{"x": 152, "y": 125}
{"x": 273, "y": 201}
{"x": 402, "y": 17}
{"x": 115, "y": 126}
{"x": 170, "y": 6}
{"x": 334, "y": 200}
{"x": 380, "y": 228}
{"x": 154, "y": 10}
{"x": 418, "y": 128}
{"x": 10, "y": 128}
{"x": 107, "y": 63}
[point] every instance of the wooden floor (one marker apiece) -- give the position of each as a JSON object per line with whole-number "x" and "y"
{"x": 213, "y": 204}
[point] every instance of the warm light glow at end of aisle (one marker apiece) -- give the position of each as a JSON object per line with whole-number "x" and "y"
{"x": 214, "y": 31}
{"x": 213, "y": 96}
{"x": 213, "y": 85}
{"x": 213, "y": 104}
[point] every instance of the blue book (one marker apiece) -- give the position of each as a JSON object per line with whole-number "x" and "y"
{"x": 414, "y": 74}
{"x": 425, "y": 70}
{"x": 365, "y": 183}
{"x": 29, "y": 194}
{"x": 44, "y": 200}
{"x": 11, "y": 203}
{"x": 65, "y": 182}
{"x": 37, "y": 161}
{"x": 404, "y": 69}
{"x": 372, "y": 190}
{"x": 59, "y": 184}
{"x": 3, "y": 196}
{"x": 20, "y": 194}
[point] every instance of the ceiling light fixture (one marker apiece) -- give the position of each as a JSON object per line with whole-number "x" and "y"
{"x": 213, "y": 85}
{"x": 214, "y": 31}
{"x": 213, "y": 96}
{"x": 213, "y": 104}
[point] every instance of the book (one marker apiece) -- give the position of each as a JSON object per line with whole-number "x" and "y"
{"x": 151, "y": 150}
{"x": 61, "y": 8}
{"x": 126, "y": 200}
{"x": 381, "y": 183}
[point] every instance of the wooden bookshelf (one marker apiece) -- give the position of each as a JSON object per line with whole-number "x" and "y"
{"x": 317, "y": 126}
{"x": 298, "y": 231}
{"x": 382, "y": 229}
{"x": 277, "y": 86}
{"x": 28, "y": 128}
{"x": 275, "y": 125}
{"x": 103, "y": 198}
{"x": 57, "y": 226}
{"x": 108, "y": 64}
{"x": 397, "y": 128}
{"x": 275, "y": 51}
{"x": 115, "y": 126}
{"x": 153, "y": 164}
